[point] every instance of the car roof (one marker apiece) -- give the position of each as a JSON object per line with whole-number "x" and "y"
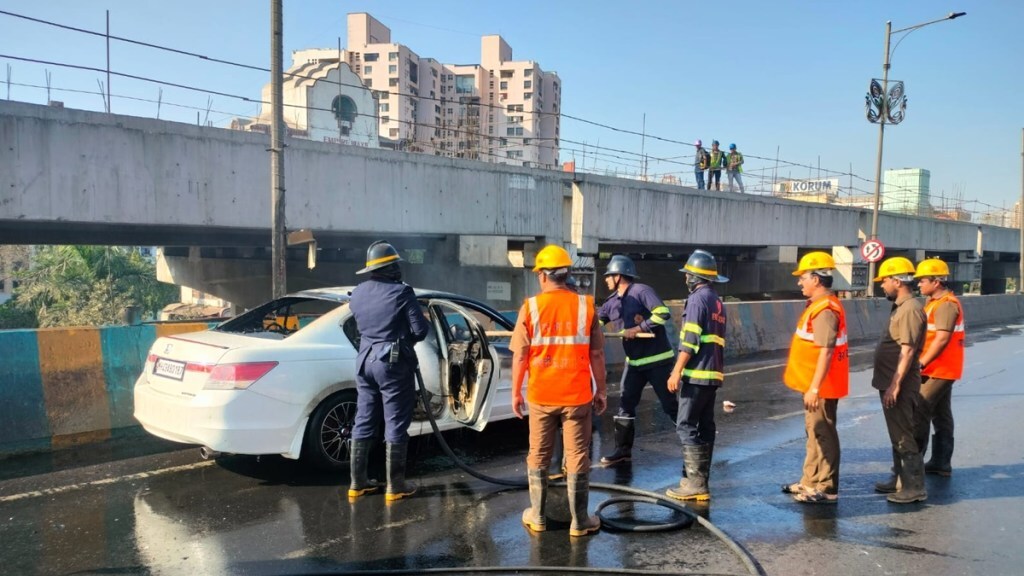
{"x": 343, "y": 294}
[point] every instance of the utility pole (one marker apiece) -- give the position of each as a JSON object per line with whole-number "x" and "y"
{"x": 643, "y": 142}
{"x": 108, "y": 61}
{"x": 277, "y": 218}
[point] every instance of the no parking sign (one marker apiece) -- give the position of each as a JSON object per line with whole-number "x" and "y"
{"x": 872, "y": 250}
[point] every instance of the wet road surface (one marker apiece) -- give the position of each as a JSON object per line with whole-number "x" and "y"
{"x": 166, "y": 512}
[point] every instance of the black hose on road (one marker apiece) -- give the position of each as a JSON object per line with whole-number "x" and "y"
{"x": 632, "y": 495}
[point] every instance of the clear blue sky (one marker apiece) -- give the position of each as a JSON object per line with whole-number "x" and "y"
{"x": 774, "y": 74}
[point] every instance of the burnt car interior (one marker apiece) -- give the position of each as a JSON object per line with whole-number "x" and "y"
{"x": 469, "y": 361}
{"x": 282, "y": 317}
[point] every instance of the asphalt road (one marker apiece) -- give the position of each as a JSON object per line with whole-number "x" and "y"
{"x": 146, "y": 510}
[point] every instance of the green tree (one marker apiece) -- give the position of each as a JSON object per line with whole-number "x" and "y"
{"x": 89, "y": 285}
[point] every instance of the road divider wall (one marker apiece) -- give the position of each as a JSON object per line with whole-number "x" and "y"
{"x": 60, "y": 387}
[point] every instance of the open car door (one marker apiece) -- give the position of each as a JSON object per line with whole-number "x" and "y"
{"x": 467, "y": 366}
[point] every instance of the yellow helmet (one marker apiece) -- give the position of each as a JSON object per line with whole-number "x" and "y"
{"x": 895, "y": 266}
{"x": 932, "y": 267}
{"x": 815, "y": 261}
{"x": 552, "y": 257}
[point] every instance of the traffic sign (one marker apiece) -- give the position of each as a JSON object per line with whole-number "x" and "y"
{"x": 872, "y": 250}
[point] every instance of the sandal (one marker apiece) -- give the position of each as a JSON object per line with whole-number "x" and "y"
{"x": 816, "y": 497}
{"x": 795, "y": 488}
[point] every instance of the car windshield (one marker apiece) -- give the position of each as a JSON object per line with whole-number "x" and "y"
{"x": 284, "y": 316}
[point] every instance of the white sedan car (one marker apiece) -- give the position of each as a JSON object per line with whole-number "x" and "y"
{"x": 280, "y": 379}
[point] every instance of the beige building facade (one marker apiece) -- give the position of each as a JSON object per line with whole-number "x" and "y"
{"x": 498, "y": 110}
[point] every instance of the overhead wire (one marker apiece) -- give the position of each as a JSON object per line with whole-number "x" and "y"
{"x": 779, "y": 162}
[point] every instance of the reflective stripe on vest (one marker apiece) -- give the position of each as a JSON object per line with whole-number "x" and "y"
{"x": 704, "y": 374}
{"x": 559, "y": 355}
{"x": 704, "y": 338}
{"x": 803, "y": 353}
{"x": 651, "y": 359}
{"x": 949, "y": 364}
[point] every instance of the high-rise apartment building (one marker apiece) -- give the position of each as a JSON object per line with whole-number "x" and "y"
{"x": 499, "y": 110}
{"x": 906, "y": 191}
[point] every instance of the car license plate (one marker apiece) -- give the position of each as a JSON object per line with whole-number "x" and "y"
{"x": 169, "y": 369}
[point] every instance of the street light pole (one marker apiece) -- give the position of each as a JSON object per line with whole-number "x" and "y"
{"x": 1020, "y": 216}
{"x": 878, "y": 161}
{"x": 883, "y": 115}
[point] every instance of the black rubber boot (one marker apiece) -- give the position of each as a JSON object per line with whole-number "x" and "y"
{"x": 533, "y": 517}
{"x": 578, "y": 490}
{"x": 398, "y": 488}
{"x": 942, "y": 454}
{"x": 911, "y": 480}
{"x": 893, "y": 483}
{"x": 361, "y": 484}
{"x": 625, "y": 431}
{"x": 697, "y": 463}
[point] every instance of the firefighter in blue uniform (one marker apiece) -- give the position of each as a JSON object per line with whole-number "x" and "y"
{"x": 636, "y": 308}
{"x": 390, "y": 323}
{"x": 698, "y": 373}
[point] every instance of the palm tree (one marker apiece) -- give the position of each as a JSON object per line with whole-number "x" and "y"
{"x": 90, "y": 285}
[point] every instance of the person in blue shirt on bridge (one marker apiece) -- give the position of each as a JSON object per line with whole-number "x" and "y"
{"x": 698, "y": 373}
{"x": 636, "y": 308}
{"x": 390, "y": 323}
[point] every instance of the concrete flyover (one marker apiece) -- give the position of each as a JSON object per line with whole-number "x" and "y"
{"x": 73, "y": 176}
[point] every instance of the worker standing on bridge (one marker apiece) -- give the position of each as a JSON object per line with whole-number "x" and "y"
{"x": 390, "y": 322}
{"x": 897, "y": 377}
{"x": 734, "y": 167}
{"x": 942, "y": 362}
{"x": 716, "y": 161}
{"x": 698, "y": 373}
{"x": 819, "y": 369}
{"x": 558, "y": 342}
{"x": 636, "y": 308}
{"x": 701, "y": 162}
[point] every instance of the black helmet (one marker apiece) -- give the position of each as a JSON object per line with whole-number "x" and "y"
{"x": 702, "y": 265}
{"x": 621, "y": 265}
{"x": 379, "y": 255}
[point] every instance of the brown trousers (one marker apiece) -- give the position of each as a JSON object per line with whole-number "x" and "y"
{"x": 821, "y": 465}
{"x": 937, "y": 395}
{"x": 576, "y": 431}
{"x": 902, "y": 419}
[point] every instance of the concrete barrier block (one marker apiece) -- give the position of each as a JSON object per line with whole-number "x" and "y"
{"x": 22, "y": 402}
{"x": 71, "y": 366}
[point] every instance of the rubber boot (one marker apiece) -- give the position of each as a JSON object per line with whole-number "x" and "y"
{"x": 694, "y": 486}
{"x": 942, "y": 453}
{"x": 912, "y": 479}
{"x": 398, "y": 488}
{"x": 578, "y": 491}
{"x": 625, "y": 431}
{"x": 533, "y": 517}
{"x": 891, "y": 485}
{"x": 360, "y": 458}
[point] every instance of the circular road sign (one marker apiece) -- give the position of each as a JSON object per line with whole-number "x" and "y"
{"x": 872, "y": 250}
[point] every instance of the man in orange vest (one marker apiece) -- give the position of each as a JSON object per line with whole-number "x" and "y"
{"x": 942, "y": 363}
{"x": 897, "y": 377}
{"x": 819, "y": 369}
{"x": 558, "y": 341}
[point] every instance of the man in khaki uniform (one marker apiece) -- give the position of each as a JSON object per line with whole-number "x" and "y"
{"x": 897, "y": 377}
{"x": 819, "y": 369}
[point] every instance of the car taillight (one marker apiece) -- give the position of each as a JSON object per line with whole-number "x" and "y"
{"x": 237, "y": 376}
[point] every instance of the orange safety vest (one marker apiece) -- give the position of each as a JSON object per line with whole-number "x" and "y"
{"x": 558, "y": 325}
{"x": 949, "y": 364}
{"x": 803, "y": 353}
